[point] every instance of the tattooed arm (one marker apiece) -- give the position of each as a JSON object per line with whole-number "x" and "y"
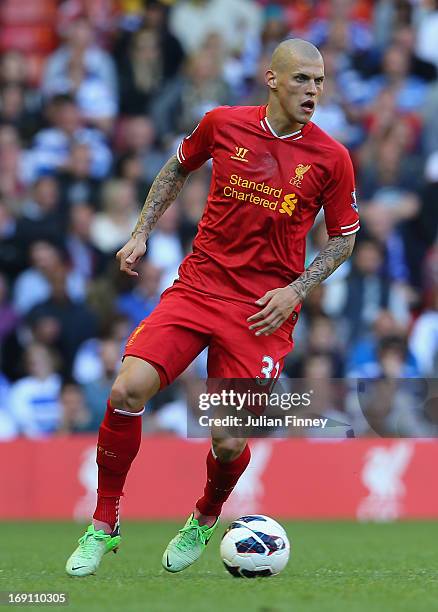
{"x": 165, "y": 189}
{"x": 336, "y": 251}
{"x": 279, "y": 303}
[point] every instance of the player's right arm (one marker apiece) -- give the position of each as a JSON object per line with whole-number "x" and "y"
{"x": 164, "y": 190}
{"x": 193, "y": 151}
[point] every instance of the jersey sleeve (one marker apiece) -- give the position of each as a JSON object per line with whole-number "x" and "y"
{"x": 339, "y": 198}
{"x": 196, "y": 148}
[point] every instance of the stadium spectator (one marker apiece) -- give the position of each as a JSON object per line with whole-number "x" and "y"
{"x": 16, "y": 109}
{"x": 75, "y": 321}
{"x": 426, "y": 238}
{"x": 323, "y": 339}
{"x": 96, "y": 390}
{"x": 424, "y": 339}
{"x": 364, "y": 349}
{"x": 430, "y": 274}
{"x": 112, "y": 227}
{"x": 391, "y": 361}
{"x": 396, "y": 67}
{"x": 192, "y": 20}
{"x": 75, "y": 417}
{"x": 387, "y": 17}
{"x": 41, "y": 215}
{"x": 389, "y": 409}
{"x": 8, "y": 316}
{"x": 138, "y": 138}
{"x": 144, "y": 39}
{"x": 184, "y": 100}
{"x": 79, "y": 43}
{"x": 164, "y": 246}
{"x": 75, "y": 181}
{"x": 192, "y": 202}
{"x": 331, "y": 116}
{"x": 142, "y": 299}
{"x": 8, "y": 426}
{"x": 320, "y": 374}
{"x": 312, "y": 310}
{"x": 141, "y": 73}
{"x": 382, "y": 228}
{"x": 404, "y": 36}
{"x": 156, "y": 17}
{"x": 275, "y": 27}
{"x": 88, "y": 365}
{"x": 255, "y": 94}
{"x": 13, "y": 68}
{"x": 51, "y": 147}
{"x": 96, "y": 102}
{"x": 368, "y": 289}
{"x": 129, "y": 166}
{"x": 395, "y": 75}
{"x": 430, "y": 132}
{"x": 86, "y": 260}
{"x": 390, "y": 399}
{"x": 101, "y": 15}
{"x": 12, "y": 185}
{"x": 34, "y": 399}
{"x": 102, "y": 294}
{"x": 33, "y": 285}
{"x": 389, "y": 153}
{"x": 427, "y": 32}
{"x": 15, "y": 72}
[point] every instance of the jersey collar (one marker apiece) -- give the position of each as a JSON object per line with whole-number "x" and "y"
{"x": 266, "y": 126}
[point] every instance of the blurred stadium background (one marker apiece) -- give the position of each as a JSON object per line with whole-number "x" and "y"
{"x": 95, "y": 96}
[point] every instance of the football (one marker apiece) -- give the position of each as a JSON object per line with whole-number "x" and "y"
{"x": 253, "y": 546}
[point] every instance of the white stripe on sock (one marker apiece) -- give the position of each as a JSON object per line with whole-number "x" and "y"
{"x": 127, "y": 413}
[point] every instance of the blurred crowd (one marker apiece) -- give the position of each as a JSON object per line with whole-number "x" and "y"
{"x": 94, "y": 98}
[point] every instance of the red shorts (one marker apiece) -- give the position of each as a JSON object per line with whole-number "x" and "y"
{"x": 186, "y": 321}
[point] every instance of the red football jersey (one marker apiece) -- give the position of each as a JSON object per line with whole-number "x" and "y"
{"x": 265, "y": 193}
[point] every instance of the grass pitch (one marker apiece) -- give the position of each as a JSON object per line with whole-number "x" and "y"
{"x": 334, "y": 566}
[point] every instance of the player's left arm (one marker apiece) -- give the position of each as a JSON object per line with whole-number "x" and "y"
{"x": 342, "y": 222}
{"x": 280, "y": 303}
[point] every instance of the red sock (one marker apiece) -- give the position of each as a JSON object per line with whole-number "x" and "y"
{"x": 118, "y": 444}
{"x": 221, "y": 479}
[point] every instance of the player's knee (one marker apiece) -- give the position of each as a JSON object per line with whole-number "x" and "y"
{"x": 126, "y": 397}
{"x": 228, "y": 449}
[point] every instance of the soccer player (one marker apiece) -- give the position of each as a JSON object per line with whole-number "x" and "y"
{"x": 240, "y": 290}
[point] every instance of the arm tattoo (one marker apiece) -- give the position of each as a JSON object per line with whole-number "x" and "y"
{"x": 336, "y": 251}
{"x": 165, "y": 188}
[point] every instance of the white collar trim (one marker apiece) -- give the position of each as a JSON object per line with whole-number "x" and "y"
{"x": 286, "y": 135}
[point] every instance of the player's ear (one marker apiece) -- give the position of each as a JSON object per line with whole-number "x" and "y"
{"x": 271, "y": 79}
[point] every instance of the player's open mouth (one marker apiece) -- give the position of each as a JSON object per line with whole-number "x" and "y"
{"x": 308, "y": 106}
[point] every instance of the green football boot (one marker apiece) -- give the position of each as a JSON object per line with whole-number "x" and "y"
{"x": 92, "y": 546}
{"x": 188, "y": 545}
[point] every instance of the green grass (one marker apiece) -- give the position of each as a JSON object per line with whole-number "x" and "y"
{"x": 334, "y": 566}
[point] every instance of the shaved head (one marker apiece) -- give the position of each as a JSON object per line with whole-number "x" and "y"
{"x": 289, "y": 51}
{"x": 295, "y": 81}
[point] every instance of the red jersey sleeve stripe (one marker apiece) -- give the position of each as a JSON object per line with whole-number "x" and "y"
{"x": 356, "y": 229}
{"x": 179, "y": 153}
{"x": 178, "y": 156}
{"x": 351, "y": 225}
